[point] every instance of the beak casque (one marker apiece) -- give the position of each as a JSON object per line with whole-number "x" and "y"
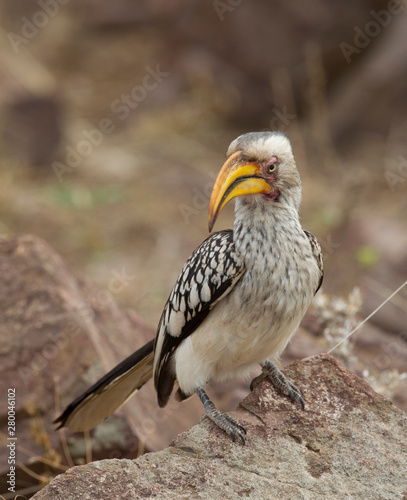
{"x": 236, "y": 178}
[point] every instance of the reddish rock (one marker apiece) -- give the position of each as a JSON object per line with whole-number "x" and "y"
{"x": 59, "y": 332}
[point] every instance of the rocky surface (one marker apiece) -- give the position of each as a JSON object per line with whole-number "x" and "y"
{"x": 59, "y": 332}
{"x": 349, "y": 442}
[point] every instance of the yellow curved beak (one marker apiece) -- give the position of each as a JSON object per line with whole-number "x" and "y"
{"x": 235, "y": 178}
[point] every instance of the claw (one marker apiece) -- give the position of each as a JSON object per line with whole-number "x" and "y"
{"x": 242, "y": 438}
{"x": 256, "y": 381}
{"x": 220, "y": 418}
{"x": 233, "y": 427}
{"x": 229, "y": 425}
{"x": 281, "y": 382}
{"x": 235, "y": 431}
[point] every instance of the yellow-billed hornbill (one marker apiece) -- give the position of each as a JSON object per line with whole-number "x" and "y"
{"x": 239, "y": 298}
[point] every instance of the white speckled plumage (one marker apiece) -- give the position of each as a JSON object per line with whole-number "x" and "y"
{"x": 262, "y": 312}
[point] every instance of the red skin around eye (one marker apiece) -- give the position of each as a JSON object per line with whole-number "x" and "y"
{"x": 274, "y": 193}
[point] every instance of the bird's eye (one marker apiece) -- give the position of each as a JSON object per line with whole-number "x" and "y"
{"x": 272, "y": 164}
{"x": 272, "y": 167}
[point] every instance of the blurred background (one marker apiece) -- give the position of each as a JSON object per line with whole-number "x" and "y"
{"x": 115, "y": 118}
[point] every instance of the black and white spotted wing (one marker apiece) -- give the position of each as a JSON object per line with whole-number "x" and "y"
{"x": 208, "y": 275}
{"x": 317, "y": 253}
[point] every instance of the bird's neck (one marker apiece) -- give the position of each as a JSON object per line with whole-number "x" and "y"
{"x": 260, "y": 226}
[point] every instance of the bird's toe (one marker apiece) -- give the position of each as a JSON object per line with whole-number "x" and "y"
{"x": 281, "y": 382}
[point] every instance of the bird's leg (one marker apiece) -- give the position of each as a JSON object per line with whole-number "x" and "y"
{"x": 280, "y": 381}
{"x": 220, "y": 418}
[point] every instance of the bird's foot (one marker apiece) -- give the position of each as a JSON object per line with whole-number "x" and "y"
{"x": 257, "y": 380}
{"x": 281, "y": 382}
{"x": 220, "y": 418}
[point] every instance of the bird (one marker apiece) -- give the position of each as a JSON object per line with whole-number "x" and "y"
{"x": 238, "y": 300}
